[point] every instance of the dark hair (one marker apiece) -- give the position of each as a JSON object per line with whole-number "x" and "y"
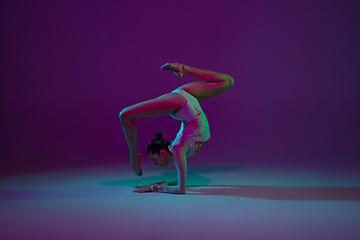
{"x": 157, "y": 144}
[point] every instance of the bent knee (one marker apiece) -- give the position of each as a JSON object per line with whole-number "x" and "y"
{"x": 231, "y": 81}
{"x": 123, "y": 114}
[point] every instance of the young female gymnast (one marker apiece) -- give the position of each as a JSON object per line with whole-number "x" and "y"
{"x": 182, "y": 104}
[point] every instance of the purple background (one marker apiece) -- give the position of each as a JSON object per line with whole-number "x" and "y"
{"x": 69, "y": 67}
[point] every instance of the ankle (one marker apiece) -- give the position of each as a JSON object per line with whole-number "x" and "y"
{"x": 185, "y": 69}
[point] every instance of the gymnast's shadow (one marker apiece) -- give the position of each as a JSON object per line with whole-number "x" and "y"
{"x": 197, "y": 185}
{"x": 194, "y": 179}
{"x": 104, "y": 192}
{"x": 200, "y": 185}
{"x": 280, "y": 192}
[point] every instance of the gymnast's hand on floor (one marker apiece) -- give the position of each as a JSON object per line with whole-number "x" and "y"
{"x": 143, "y": 187}
{"x": 135, "y": 163}
{"x": 144, "y": 190}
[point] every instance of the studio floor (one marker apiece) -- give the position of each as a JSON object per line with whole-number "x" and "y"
{"x": 222, "y": 202}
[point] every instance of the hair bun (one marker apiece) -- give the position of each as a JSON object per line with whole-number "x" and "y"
{"x": 158, "y": 135}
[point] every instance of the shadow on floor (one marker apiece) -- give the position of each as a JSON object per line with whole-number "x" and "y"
{"x": 193, "y": 176}
{"x": 258, "y": 192}
{"x": 197, "y": 185}
{"x": 280, "y": 193}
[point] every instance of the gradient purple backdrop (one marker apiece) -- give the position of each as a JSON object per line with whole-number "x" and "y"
{"x": 69, "y": 67}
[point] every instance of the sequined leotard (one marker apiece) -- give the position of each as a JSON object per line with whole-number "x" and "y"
{"x": 194, "y": 126}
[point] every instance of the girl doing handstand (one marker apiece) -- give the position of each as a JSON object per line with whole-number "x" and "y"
{"x": 182, "y": 104}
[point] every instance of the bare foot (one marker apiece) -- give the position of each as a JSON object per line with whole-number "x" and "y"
{"x": 136, "y": 165}
{"x": 177, "y": 68}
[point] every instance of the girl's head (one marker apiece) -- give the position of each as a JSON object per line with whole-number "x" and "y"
{"x": 158, "y": 150}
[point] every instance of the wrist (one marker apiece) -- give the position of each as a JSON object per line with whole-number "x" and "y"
{"x": 163, "y": 182}
{"x": 158, "y": 186}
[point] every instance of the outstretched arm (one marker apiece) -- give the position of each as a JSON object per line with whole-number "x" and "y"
{"x": 162, "y": 105}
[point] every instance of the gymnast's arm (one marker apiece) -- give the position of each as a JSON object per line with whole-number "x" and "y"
{"x": 162, "y": 105}
{"x": 181, "y": 166}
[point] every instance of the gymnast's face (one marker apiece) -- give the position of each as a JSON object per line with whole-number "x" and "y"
{"x": 162, "y": 159}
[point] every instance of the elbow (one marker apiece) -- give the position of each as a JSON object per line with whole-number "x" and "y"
{"x": 181, "y": 191}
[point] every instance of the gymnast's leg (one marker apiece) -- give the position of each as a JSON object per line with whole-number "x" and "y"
{"x": 213, "y": 83}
